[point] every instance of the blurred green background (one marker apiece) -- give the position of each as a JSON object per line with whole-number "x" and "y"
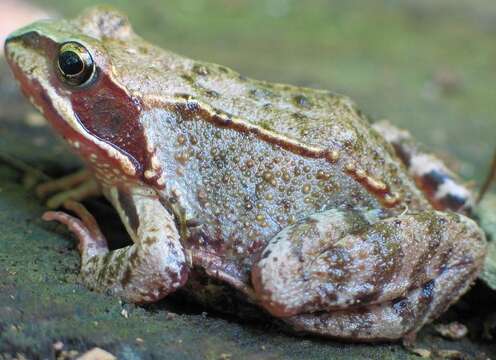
{"x": 428, "y": 66}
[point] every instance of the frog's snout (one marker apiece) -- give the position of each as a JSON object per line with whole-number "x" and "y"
{"x": 29, "y": 39}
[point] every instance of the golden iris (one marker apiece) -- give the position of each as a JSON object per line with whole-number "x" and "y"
{"x": 75, "y": 64}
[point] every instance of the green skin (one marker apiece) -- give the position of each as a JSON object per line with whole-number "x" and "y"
{"x": 286, "y": 196}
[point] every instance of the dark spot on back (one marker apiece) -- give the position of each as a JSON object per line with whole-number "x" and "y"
{"x": 266, "y": 254}
{"x": 419, "y": 270}
{"x": 188, "y": 78}
{"x": 200, "y": 69}
{"x": 428, "y": 291}
{"x": 260, "y": 93}
{"x": 192, "y": 106}
{"x": 212, "y": 93}
{"x": 299, "y": 116}
{"x": 302, "y": 101}
{"x": 425, "y": 298}
{"x": 401, "y": 306}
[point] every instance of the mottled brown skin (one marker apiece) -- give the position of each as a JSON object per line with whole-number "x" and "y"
{"x": 285, "y": 194}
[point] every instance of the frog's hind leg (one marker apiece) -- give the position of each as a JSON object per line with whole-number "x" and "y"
{"x": 91, "y": 240}
{"x": 443, "y": 188}
{"x": 154, "y": 266}
{"x": 356, "y": 275}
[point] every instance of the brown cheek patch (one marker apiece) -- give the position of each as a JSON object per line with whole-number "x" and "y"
{"x": 109, "y": 113}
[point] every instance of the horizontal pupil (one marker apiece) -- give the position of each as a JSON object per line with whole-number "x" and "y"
{"x": 70, "y": 63}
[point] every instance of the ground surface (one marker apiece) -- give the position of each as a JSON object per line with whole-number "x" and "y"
{"x": 426, "y": 67}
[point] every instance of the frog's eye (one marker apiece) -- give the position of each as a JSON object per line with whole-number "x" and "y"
{"x": 75, "y": 64}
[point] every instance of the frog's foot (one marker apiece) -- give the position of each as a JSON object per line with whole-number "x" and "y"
{"x": 77, "y": 187}
{"x": 351, "y": 274}
{"x": 146, "y": 271}
{"x": 442, "y": 187}
{"x": 85, "y": 228}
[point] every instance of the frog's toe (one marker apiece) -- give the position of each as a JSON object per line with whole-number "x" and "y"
{"x": 85, "y": 228}
{"x": 83, "y": 191}
{"x": 62, "y": 184}
{"x": 77, "y": 186}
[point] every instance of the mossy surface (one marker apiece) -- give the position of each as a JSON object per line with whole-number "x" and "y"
{"x": 426, "y": 66}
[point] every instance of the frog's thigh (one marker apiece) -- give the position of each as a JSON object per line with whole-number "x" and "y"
{"x": 154, "y": 266}
{"x": 353, "y": 268}
{"x": 442, "y": 187}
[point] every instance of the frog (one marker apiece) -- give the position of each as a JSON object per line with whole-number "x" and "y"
{"x": 288, "y": 198}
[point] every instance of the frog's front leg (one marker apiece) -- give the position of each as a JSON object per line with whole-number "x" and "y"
{"x": 442, "y": 187}
{"x": 355, "y": 275}
{"x": 77, "y": 186}
{"x": 154, "y": 266}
